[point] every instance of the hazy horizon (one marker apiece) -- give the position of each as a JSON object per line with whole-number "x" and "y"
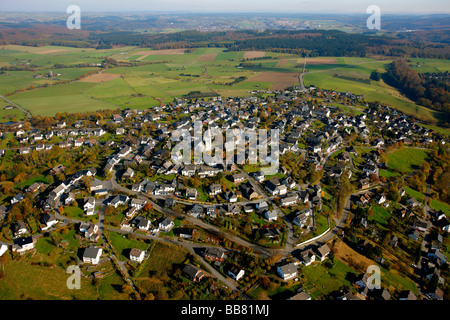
{"x": 399, "y": 7}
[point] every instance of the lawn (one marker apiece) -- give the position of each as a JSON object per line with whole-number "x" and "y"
{"x": 29, "y": 182}
{"x": 380, "y": 216}
{"x": 415, "y": 194}
{"x": 329, "y": 279}
{"x": 388, "y": 173}
{"x": 123, "y": 245}
{"x": 10, "y": 114}
{"x": 163, "y": 259}
{"x": 406, "y": 160}
{"x": 439, "y": 205}
{"x": 77, "y": 213}
{"x": 23, "y": 280}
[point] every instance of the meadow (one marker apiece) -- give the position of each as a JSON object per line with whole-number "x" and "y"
{"x": 162, "y": 75}
{"x": 407, "y": 159}
{"x": 353, "y": 74}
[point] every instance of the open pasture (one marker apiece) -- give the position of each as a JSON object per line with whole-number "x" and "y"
{"x": 175, "y": 72}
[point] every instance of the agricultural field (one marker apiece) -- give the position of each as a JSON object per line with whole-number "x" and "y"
{"x": 353, "y": 74}
{"x": 159, "y": 76}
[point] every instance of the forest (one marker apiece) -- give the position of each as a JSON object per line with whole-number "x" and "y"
{"x": 428, "y": 89}
{"x": 308, "y": 43}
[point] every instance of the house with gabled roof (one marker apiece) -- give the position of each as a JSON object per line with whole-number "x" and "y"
{"x": 287, "y": 271}
{"x": 120, "y": 199}
{"x": 214, "y": 254}
{"x": 92, "y": 255}
{"x": 193, "y": 273}
{"x": 215, "y": 189}
{"x": 23, "y": 244}
{"x": 137, "y": 255}
{"x": 166, "y": 224}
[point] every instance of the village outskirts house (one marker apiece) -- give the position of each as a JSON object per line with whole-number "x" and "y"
{"x": 92, "y": 255}
{"x": 193, "y": 273}
{"x": 287, "y": 271}
{"x": 137, "y": 255}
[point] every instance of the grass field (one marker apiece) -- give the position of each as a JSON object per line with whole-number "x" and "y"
{"x": 173, "y": 73}
{"x": 62, "y": 98}
{"x": 353, "y": 75}
{"x": 10, "y": 114}
{"x": 123, "y": 245}
{"x": 43, "y": 276}
{"x": 439, "y": 205}
{"x": 329, "y": 279}
{"x": 415, "y": 194}
{"x": 380, "y": 216}
{"x": 407, "y": 159}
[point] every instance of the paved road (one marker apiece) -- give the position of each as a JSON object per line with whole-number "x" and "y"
{"x": 17, "y": 106}
{"x": 290, "y": 238}
{"x": 190, "y": 246}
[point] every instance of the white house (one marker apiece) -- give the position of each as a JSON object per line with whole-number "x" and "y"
{"x": 231, "y": 196}
{"x": 235, "y": 272}
{"x": 3, "y": 249}
{"x": 288, "y": 201}
{"x": 137, "y": 255}
{"x": 271, "y": 215}
{"x": 92, "y": 255}
{"x": 323, "y": 252}
{"x": 49, "y": 220}
{"x": 89, "y": 206}
{"x": 301, "y": 217}
{"x": 166, "y": 225}
{"x": 23, "y": 244}
{"x": 138, "y": 203}
{"x": 19, "y": 229}
{"x": 142, "y": 223}
{"x": 262, "y": 206}
{"x": 287, "y": 271}
{"x": 120, "y": 199}
{"x": 17, "y": 198}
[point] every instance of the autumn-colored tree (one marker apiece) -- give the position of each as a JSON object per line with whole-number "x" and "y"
{"x": 148, "y": 206}
{"x": 109, "y": 210}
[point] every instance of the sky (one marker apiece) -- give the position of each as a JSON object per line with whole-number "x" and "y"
{"x": 279, "y": 6}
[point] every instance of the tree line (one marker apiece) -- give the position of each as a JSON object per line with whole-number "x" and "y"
{"x": 428, "y": 89}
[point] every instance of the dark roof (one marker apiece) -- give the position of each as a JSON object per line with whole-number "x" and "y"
{"x": 191, "y": 271}
{"x": 23, "y": 241}
{"x": 90, "y": 252}
{"x": 214, "y": 252}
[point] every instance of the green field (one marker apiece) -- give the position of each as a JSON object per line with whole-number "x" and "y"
{"x": 380, "y": 216}
{"x": 329, "y": 279}
{"x": 354, "y": 77}
{"x": 62, "y": 98}
{"x": 123, "y": 245}
{"x": 415, "y": 194}
{"x": 439, "y": 205}
{"x": 407, "y": 159}
{"x": 162, "y": 77}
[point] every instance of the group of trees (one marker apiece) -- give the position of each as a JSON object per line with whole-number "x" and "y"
{"x": 304, "y": 42}
{"x": 429, "y": 89}
{"x": 434, "y": 172}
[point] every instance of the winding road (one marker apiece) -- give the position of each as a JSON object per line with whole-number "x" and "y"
{"x": 17, "y": 106}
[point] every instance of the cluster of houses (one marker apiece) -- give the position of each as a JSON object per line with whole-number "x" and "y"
{"x": 293, "y": 122}
{"x": 288, "y": 270}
